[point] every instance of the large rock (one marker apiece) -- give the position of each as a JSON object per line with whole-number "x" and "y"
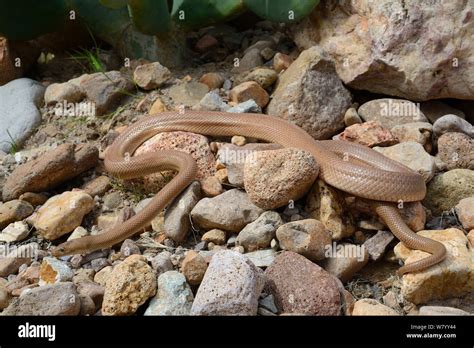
{"x": 456, "y": 150}
{"x": 447, "y": 189}
{"x": 259, "y": 234}
{"x": 452, "y": 277}
{"x": 231, "y": 286}
{"x": 302, "y": 287}
{"x": 151, "y": 76}
{"x": 51, "y": 169}
{"x": 229, "y": 211}
{"x": 452, "y": 123}
{"x": 276, "y": 178}
{"x": 19, "y": 114}
{"x": 13, "y": 258}
{"x": 14, "y": 211}
{"x": 310, "y": 94}
{"x": 369, "y": 133}
{"x": 385, "y": 47}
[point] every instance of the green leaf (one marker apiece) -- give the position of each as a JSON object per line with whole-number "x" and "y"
{"x": 150, "y": 16}
{"x": 281, "y": 10}
{"x": 114, "y": 4}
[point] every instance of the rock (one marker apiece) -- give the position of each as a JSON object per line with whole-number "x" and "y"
{"x": 129, "y": 286}
{"x": 61, "y": 214}
{"x": 231, "y": 286}
{"x": 98, "y": 186}
{"x": 103, "y": 275}
{"x": 456, "y": 150}
{"x": 112, "y": 200}
{"x": 351, "y": 117}
{"x": 188, "y": 94}
{"x": 465, "y": 212}
{"x": 452, "y": 123}
{"x": 129, "y": 248}
{"x": 16, "y": 58}
{"x": 50, "y": 170}
{"x": 368, "y": 306}
{"x": 344, "y": 260}
{"x": 157, "y": 107}
{"x": 250, "y": 60}
{"x": 151, "y": 76}
{"x": 88, "y": 306}
{"x": 265, "y": 77}
{"x": 194, "y": 144}
{"x": 377, "y": 244}
{"x": 259, "y": 233}
{"x": 4, "y": 298}
{"x": 419, "y": 132}
{"x": 328, "y": 206}
{"x": 60, "y": 92}
{"x": 267, "y": 53}
{"x": 233, "y": 157}
{"x": 275, "y": 178}
{"x": 370, "y": 134}
{"x": 211, "y": 102}
{"x": 238, "y": 140}
{"x": 15, "y": 232}
{"x": 307, "y": 237}
{"x": 177, "y": 222}
{"x": 194, "y": 267}
{"x": 53, "y": 300}
{"x": 281, "y": 62}
{"x": 105, "y": 90}
{"x": 447, "y": 189}
{"x": 215, "y": 236}
{"x": 174, "y": 296}
{"x": 14, "y": 211}
{"x": 262, "y": 258}
{"x": 206, "y": 43}
{"x": 213, "y": 80}
{"x": 300, "y": 286}
{"x": 211, "y": 186}
{"x": 452, "y": 277}
{"x": 247, "y": 106}
{"x": 412, "y": 155}
{"x": 441, "y": 310}
{"x": 310, "y": 95}
{"x": 34, "y": 199}
{"x": 19, "y": 114}
{"x": 348, "y": 32}
{"x": 53, "y": 271}
{"x": 435, "y": 109}
{"x": 107, "y": 221}
{"x": 249, "y": 90}
{"x": 229, "y": 211}
{"x": 13, "y": 258}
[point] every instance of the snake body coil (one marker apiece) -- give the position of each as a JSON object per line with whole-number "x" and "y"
{"x": 350, "y": 167}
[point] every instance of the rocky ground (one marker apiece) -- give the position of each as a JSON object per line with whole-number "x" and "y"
{"x": 248, "y": 237}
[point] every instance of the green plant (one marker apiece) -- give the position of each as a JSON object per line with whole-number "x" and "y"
{"x": 89, "y": 59}
{"x": 14, "y": 147}
{"x": 281, "y": 10}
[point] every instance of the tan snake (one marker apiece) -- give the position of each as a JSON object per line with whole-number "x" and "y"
{"x": 353, "y": 168}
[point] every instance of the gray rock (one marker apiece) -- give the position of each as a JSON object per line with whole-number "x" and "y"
{"x": 19, "y": 114}
{"x": 231, "y": 286}
{"x": 268, "y": 302}
{"x": 246, "y": 106}
{"x": 161, "y": 263}
{"x": 452, "y": 123}
{"x": 60, "y": 92}
{"x": 177, "y": 222}
{"x": 57, "y": 299}
{"x": 250, "y": 60}
{"x": 174, "y": 296}
{"x": 434, "y": 109}
{"x": 345, "y": 260}
{"x": 456, "y": 150}
{"x": 151, "y": 76}
{"x": 129, "y": 247}
{"x": 441, "y": 310}
{"x": 259, "y": 233}
{"x": 377, "y": 244}
{"x": 262, "y": 258}
{"x": 188, "y": 94}
{"x": 229, "y": 211}
{"x": 211, "y": 102}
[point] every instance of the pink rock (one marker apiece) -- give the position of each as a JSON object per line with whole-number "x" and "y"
{"x": 370, "y": 134}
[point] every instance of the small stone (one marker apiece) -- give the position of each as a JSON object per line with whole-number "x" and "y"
{"x": 78, "y": 232}
{"x": 215, "y": 236}
{"x": 273, "y": 179}
{"x": 281, "y": 62}
{"x": 369, "y": 306}
{"x": 129, "y": 248}
{"x": 194, "y": 267}
{"x": 250, "y": 60}
{"x": 238, "y": 140}
{"x": 211, "y": 102}
{"x": 206, "y": 43}
{"x": 60, "y": 92}
{"x": 113, "y": 200}
{"x": 419, "y": 132}
{"x": 161, "y": 263}
{"x": 33, "y": 198}
{"x": 188, "y": 94}
{"x": 390, "y": 299}
{"x": 351, "y": 117}
{"x": 98, "y": 186}
{"x": 306, "y": 237}
{"x": 300, "y": 286}
{"x": 268, "y": 302}
{"x": 157, "y": 107}
{"x": 130, "y": 284}
{"x": 456, "y": 150}
{"x": 265, "y": 77}
{"x": 249, "y": 90}
{"x": 174, "y": 296}
{"x": 53, "y": 271}
{"x": 369, "y": 133}
{"x": 211, "y": 186}
{"x": 465, "y": 212}
{"x": 103, "y": 275}
{"x": 61, "y": 214}
{"x": 151, "y": 76}
{"x": 212, "y": 80}
{"x": 377, "y": 244}
{"x": 100, "y": 263}
{"x": 249, "y": 106}
{"x": 259, "y": 233}
{"x": 15, "y": 232}
{"x": 231, "y": 286}
{"x": 222, "y": 175}
{"x": 441, "y": 310}
{"x": 14, "y": 211}
{"x": 452, "y": 123}
{"x": 344, "y": 260}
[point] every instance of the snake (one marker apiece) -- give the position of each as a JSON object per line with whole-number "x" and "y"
{"x": 350, "y": 167}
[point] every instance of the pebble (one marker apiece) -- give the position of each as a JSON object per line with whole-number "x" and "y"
{"x": 265, "y": 77}
{"x": 98, "y": 186}
{"x": 215, "y": 236}
{"x": 231, "y": 286}
{"x": 213, "y": 80}
{"x": 113, "y": 200}
{"x": 300, "y": 286}
{"x": 211, "y": 102}
{"x": 377, "y": 244}
{"x": 452, "y": 123}
{"x": 250, "y": 60}
{"x": 369, "y": 133}
{"x": 188, "y": 94}
{"x": 238, "y": 140}
{"x": 259, "y": 233}
{"x": 351, "y": 117}
{"x": 281, "y": 62}
{"x": 248, "y": 106}
{"x": 307, "y": 237}
{"x": 456, "y": 150}
{"x": 368, "y": 306}
{"x": 103, "y": 275}
{"x": 249, "y": 90}
{"x": 267, "y": 53}
{"x": 78, "y": 232}
{"x": 465, "y": 212}
{"x": 15, "y": 232}
{"x": 452, "y": 277}
{"x": 128, "y": 248}
{"x": 151, "y": 76}
{"x": 268, "y": 302}
{"x": 345, "y": 260}
{"x": 130, "y": 284}
{"x": 60, "y": 92}
{"x": 14, "y": 211}
{"x": 230, "y": 211}
{"x": 157, "y": 107}
{"x": 53, "y": 271}
{"x": 194, "y": 267}
{"x": 61, "y": 214}
{"x": 274, "y": 178}
{"x": 161, "y": 263}
{"x": 174, "y": 296}
{"x": 419, "y": 132}
{"x": 33, "y": 198}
